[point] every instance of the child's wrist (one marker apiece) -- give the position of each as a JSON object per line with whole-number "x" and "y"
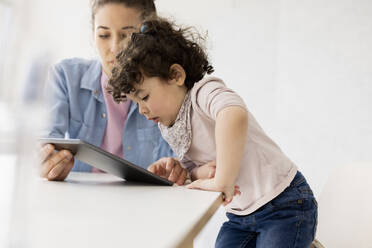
{"x": 193, "y": 174}
{"x": 221, "y": 185}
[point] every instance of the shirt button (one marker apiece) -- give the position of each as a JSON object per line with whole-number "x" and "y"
{"x": 95, "y": 92}
{"x": 129, "y": 147}
{"x": 103, "y": 115}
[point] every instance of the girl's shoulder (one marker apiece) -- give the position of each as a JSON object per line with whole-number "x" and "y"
{"x": 202, "y": 94}
{"x": 206, "y": 86}
{"x": 210, "y": 95}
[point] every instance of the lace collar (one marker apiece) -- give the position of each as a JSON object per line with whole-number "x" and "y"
{"x": 178, "y": 136}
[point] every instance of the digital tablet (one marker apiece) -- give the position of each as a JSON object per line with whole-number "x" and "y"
{"x": 105, "y": 161}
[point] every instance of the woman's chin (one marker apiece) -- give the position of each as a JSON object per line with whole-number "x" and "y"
{"x": 107, "y": 69}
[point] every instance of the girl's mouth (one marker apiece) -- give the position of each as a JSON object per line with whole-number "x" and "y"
{"x": 156, "y": 119}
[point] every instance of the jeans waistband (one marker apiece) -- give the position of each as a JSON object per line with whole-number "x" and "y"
{"x": 298, "y": 179}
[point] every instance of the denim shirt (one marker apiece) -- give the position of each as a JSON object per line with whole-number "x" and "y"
{"x": 78, "y": 111}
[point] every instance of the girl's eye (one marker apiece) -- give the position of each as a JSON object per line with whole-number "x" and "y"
{"x": 103, "y": 36}
{"x": 123, "y": 36}
{"x": 145, "y": 98}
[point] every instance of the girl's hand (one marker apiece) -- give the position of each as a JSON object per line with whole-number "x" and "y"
{"x": 209, "y": 185}
{"x": 205, "y": 171}
{"x": 169, "y": 168}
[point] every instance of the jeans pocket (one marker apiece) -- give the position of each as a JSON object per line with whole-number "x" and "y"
{"x": 295, "y": 204}
{"x": 305, "y": 190}
{"x": 289, "y": 197}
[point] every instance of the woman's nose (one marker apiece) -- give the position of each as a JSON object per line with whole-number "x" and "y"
{"x": 115, "y": 46}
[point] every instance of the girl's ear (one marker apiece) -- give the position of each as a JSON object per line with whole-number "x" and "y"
{"x": 177, "y": 74}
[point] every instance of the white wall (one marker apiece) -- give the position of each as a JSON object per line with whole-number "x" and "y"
{"x": 303, "y": 68}
{"x": 323, "y": 99}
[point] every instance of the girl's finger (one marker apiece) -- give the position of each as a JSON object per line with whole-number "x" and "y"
{"x": 169, "y": 166}
{"x": 237, "y": 192}
{"x": 191, "y": 185}
{"x": 182, "y": 178}
{"x": 175, "y": 173}
{"x": 226, "y": 201}
{"x": 194, "y": 185}
{"x": 160, "y": 170}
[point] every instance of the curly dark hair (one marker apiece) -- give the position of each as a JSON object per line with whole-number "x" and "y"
{"x": 152, "y": 51}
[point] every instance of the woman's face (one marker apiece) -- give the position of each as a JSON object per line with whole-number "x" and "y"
{"x": 113, "y": 26}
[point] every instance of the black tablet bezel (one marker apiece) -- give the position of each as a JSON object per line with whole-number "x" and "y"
{"x": 106, "y": 161}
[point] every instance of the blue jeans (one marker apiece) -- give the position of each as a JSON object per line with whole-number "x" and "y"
{"x": 289, "y": 220}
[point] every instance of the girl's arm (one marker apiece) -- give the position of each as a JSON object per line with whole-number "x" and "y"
{"x": 205, "y": 171}
{"x": 230, "y": 133}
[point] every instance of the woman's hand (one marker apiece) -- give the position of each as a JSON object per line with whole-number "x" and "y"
{"x": 169, "y": 168}
{"x": 55, "y": 166}
{"x": 205, "y": 171}
{"x": 209, "y": 185}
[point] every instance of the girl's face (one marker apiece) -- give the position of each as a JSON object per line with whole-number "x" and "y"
{"x": 159, "y": 100}
{"x": 113, "y": 26}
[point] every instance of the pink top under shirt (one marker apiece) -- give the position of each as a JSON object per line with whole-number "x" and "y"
{"x": 265, "y": 170}
{"x": 116, "y": 115}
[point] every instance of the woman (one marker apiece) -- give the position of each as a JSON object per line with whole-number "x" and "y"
{"x": 82, "y": 109}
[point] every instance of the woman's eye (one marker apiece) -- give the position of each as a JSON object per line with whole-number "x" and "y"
{"x": 103, "y": 36}
{"x": 145, "y": 98}
{"x": 124, "y": 36}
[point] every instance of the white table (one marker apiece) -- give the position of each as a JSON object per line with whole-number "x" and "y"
{"x": 7, "y": 166}
{"x": 100, "y": 210}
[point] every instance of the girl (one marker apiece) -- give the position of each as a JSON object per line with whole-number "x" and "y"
{"x": 81, "y": 108}
{"x": 163, "y": 70}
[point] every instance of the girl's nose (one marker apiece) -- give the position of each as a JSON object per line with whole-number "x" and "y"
{"x": 142, "y": 110}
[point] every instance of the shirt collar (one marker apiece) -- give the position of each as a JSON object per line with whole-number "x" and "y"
{"x": 91, "y": 80}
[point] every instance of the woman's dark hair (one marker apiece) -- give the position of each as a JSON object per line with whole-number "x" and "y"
{"x": 147, "y": 7}
{"x": 152, "y": 51}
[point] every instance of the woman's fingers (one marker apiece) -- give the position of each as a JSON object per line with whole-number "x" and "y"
{"x": 57, "y": 159}
{"x": 58, "y": 169}
{"x": 45, "y": 151}
{"x": 66, "y": 171}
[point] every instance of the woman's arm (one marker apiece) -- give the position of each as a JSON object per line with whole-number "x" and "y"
{"x": 56, "y": 165}
{"x": 56, "y": 94}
